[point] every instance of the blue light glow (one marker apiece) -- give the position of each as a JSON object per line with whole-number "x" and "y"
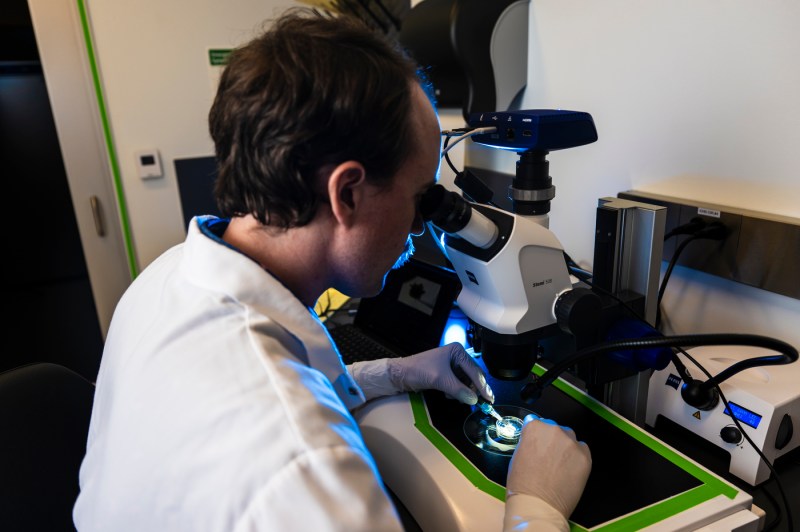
{"x": 455, "y": 332}
{"x": 744, "y": 415}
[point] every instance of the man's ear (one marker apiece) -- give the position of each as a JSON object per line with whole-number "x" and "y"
{"x": 346, "y": 188}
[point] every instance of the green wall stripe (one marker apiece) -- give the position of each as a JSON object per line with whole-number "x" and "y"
{"x": 112, "y": 152}
{"x": 711, "y": 486}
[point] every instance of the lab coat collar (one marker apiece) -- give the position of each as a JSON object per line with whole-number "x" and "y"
{"x": 212, "y": 263}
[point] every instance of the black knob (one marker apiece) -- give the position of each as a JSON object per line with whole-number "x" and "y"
{"x": 699, "y": 395}
{"x": 730, "y": 434}
{"x": 578, "y": 311}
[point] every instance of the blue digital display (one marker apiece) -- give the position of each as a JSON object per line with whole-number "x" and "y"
{"x": 748, "y": 417}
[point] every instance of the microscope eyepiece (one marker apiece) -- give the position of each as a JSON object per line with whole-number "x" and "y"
{"x": 454, "y": 215}
{"x": 445, "y": 209}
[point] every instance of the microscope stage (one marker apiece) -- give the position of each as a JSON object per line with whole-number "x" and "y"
{"x": 427, "y": 457}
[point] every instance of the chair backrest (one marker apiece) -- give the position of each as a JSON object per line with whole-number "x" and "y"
{"x": 44, "y": 421}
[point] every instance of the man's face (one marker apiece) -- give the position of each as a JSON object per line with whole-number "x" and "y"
{"x": 395, "y": 208}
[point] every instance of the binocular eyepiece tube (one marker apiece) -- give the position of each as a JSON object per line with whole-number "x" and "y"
{"x": 454, "y": 215}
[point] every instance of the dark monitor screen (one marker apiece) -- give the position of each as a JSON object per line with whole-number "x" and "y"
{"x": 417, "y": 297}
{"x": 196, "y": 178}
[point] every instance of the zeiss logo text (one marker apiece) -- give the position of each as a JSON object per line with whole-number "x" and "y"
{"x": 673, "y": 380}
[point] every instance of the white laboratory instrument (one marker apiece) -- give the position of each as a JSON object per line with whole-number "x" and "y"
{"x": 765, "y": 400}
{"x": 516, "y": 284}
{"x": 516, "y": 291}
{"x": 447, "y": 483}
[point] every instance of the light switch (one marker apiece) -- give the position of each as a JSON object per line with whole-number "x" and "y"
{"x": 148, "y": 164}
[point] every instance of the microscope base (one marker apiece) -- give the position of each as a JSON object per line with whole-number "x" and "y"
{"x": 439, "y": 483}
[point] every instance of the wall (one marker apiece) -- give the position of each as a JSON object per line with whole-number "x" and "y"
{"x": 158, "y": 86}
{"x": 691, "y": 99}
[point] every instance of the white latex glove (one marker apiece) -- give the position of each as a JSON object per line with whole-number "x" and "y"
{"x": 550, "y": 465}
{"x": 429, "y": 370}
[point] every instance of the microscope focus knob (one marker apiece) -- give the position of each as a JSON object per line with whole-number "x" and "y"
{"x": 730, "y": 434}
{"x": 578, "y": 311}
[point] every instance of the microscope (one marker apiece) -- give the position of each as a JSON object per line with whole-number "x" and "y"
{"x": 516, "y": 285}
{"x": 520, "y": 291}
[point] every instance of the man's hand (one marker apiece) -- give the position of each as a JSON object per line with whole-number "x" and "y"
{"x": 549, "y": 464}
{"x": 433, "y": 370}
{"x": 429, "y": 370}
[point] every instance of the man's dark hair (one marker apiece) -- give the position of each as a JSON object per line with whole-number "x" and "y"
{"x": 311, "y": 92}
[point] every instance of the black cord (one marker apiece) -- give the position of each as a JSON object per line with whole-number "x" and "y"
{"x": 447, "y": 156}
{"x": 533, "y": 390}
{"x": 698, "y": 229}
{"x": 775, "y": 505}
{"x": 672, "y": 263}
{"x": 581, "y": 273}
{"x": 689, "y": 228}
{"x": 668, "y": 273}
{"x": 584, "y": 276}
{"x": 775, "y": 475}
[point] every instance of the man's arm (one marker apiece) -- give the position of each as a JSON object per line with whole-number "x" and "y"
{"x": 429, "y": 370}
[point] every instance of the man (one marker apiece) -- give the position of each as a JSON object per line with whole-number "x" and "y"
{"x": 221, "y": 403}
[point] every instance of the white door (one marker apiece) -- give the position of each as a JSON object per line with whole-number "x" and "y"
{"x": 84, "y": 136}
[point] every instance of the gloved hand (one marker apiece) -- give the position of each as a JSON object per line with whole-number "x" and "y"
{"x": 433, "y": 370}
{"x": 548, "y": 464}
{"x": 429, "y": 370}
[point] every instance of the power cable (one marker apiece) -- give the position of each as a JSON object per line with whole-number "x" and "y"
{"x": 585, "y": 275}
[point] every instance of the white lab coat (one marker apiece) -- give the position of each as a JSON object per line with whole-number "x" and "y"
{"x": 215, "y": 411}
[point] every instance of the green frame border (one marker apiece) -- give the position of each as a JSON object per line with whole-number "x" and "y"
{"x": 110, "y": 148}
{"x": 711, "y": 486}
